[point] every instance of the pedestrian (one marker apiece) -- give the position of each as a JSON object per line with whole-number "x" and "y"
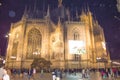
{"x": 25, "y": 75}
{"x": 58, "y": 75}
{"x": 1, "y": 71}
{"x": 18, "y": 72}
{"x": 53, "y": 75}
{"x": 6, "y": 76}
{"x": 9, "y": 72}
{"x": 41, "y": 73}
{"x": 30, "y": 73}
{"x": 83, "y": 73}
{"x": 87, "y": 73}
{"x": 34, "y": 72}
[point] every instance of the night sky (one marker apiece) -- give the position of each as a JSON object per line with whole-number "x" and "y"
{"x": 105, "y": 12}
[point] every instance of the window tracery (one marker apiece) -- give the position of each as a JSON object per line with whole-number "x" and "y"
{"x": 76, "y": 36}
{"x": 34, "y": 42}
{"x": 14, "y": 49}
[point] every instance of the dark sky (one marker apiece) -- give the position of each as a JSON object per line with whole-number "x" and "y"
{"x": 105, "y": 12}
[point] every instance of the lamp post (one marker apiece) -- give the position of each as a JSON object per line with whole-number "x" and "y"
{"x": 103, "y": 60}
{"x": 21, "y": 62}
{"x": 13, "y": 58}
{"x": 7, "y": 37}
{"x": 98, "y": 61}
{"x": 79, "y": 52}
{"x": 79, "y": 60}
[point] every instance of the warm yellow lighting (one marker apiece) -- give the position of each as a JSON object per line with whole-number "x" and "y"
{"x": 36, "y": 53}
{"x": 76, "y": 47}
{"x": 57, "y": 40}
{"x": 7, "y": 35}
{"x": 12, "y": 57}
{"x": 16, "y": 35}
{"x": 98, "y": 58}
{"x": 103, "y": 45}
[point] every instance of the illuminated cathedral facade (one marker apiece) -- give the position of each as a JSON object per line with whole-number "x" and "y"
{"x": 67, "y": 43}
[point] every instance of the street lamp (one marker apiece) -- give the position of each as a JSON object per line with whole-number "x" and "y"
{"x": 13, "y": 58}
{"x": 36, "y": 53}
{"x": 99, "y": 59}
{"x": 7, "y": 35}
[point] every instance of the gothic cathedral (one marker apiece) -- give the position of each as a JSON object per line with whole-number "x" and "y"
{"x": 67, "y": 42}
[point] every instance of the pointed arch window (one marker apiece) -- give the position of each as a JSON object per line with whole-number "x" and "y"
{"x": 14, "y": 49}
{"x": 76, "y": 36}
{"x": 33, "y": 42}
{"x": 15, "y": 45}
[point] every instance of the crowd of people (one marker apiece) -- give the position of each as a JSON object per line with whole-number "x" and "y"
{"x": 104, "y": 72}
{"x": 57, "y": 74}
{"x": 110, "y": 72}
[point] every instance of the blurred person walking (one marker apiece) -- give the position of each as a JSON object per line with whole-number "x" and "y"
{"x": 53, "y": 75}
{"x": 6, "y": 76}
{"x": 2, "y": 71}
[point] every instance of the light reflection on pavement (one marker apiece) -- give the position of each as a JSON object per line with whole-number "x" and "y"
{"x": 48, "y": 76}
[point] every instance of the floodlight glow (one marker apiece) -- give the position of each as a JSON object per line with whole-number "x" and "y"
{"x": 13, "y": 57}
{"x": 104, "y": 46}
{"x": 76, "y": 47}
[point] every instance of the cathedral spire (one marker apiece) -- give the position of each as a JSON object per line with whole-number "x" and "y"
{"x": 59, "y": 22}
{"x": 77, "y": 16}
{"x": 83, "y": 15}
{"x": 90, "y": 17}
{"x": 87, "y": 9}
{"x": 60, "y": 3}
{"x": 68, "y": 14}
{"x": 83, "y": 11}
{"x": 25, "y": 13}
{"x": 95, "y": 21}
{"x": 48, "y": 12}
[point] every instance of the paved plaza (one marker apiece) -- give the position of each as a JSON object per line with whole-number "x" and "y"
{"x": 48, "y": 76}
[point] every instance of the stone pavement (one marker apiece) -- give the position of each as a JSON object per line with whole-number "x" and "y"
{"x": 48, "y": 76}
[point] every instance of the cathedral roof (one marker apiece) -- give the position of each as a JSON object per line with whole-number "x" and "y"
{"x": 36, "y": 12}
